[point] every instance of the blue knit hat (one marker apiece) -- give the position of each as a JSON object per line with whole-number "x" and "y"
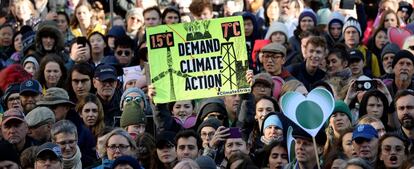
{"x": 310, "y": 13}
{"x": 272, "y": 120}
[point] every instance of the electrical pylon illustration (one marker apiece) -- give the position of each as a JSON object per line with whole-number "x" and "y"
{"x": 229, "y": 59}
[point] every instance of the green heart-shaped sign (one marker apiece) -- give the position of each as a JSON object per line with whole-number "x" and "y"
{"x": 310, "y": 112}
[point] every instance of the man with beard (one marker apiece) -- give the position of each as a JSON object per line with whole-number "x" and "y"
{"x": 288, "y": 15}
{"x": 404, "y": 105}
{"x": 403, "y": 68}
{"x": 30, "y": 92}
{"x": 387, "y": 56}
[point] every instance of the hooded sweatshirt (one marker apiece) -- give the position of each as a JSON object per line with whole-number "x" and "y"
{"x": 212, "y": 105}
{"x": 335, "y": 17}
{"x": 253, "y": 37}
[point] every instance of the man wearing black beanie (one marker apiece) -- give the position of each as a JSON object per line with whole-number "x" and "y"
{"x": 403, "y": 68}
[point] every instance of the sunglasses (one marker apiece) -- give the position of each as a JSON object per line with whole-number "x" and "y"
{"x": 411, "y": 47}
{"x": 130, "y": 98}
{"x": 125, "y": 52}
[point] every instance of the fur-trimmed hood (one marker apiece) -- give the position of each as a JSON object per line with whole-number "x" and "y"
{"x": 49, "y": 29}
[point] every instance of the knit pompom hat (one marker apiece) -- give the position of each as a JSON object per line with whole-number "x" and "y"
{"x": 352, "y": 22}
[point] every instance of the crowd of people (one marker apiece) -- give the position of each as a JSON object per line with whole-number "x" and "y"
{"x": 68, "y": 103}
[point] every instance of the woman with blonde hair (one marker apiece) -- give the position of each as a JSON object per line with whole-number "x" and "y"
{"x": 25, "y": 13}
{"x": 116, "y": 143}
{"x": 82, "y": 24}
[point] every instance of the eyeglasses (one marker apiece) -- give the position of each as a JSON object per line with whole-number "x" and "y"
{"x": 120, "y": 147}
{"x": 272, "y": 56}
{"x": 204, "y": 135}
{"x": 130, "y": 98}
{"x": 126, "y": 52}
{"x": 411, "y": 47}
{"x": 11, "y": 99}
{"x": 67, "y": 142}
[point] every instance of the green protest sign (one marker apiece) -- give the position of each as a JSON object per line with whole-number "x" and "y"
{"x": 308, "y": 112}
{"x": 198, "y": 59}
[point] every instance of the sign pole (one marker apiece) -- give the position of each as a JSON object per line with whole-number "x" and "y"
{"x": 316, "y": 152}
{"x": 111, "y": 10}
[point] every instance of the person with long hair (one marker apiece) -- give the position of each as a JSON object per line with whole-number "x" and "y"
{"x": 116, "y": 144}
{"x": 339, "y": 122}
{"x": 276, "y": 155}
{"x": 52, "y": 72}
{"x": 63, "y": 22}
{"x": 98, "y": 47}
{"x": 24, "y": 13}
{"x": 82, "y": 24}
{"x": 91, "y": 111}
{"x": 376, "y": 103}
{"x": 377, "y": 42}
{"x": 146, "y": 143}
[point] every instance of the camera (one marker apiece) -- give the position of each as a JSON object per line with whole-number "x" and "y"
{"x": 365, "y": 85}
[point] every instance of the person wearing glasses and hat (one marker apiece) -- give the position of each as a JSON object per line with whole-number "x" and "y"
{"x": 40, "y": 120}
{"x": 133, "y": 119}
{"x": 11, "y": 98}
{"x": 105, "y": 81}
